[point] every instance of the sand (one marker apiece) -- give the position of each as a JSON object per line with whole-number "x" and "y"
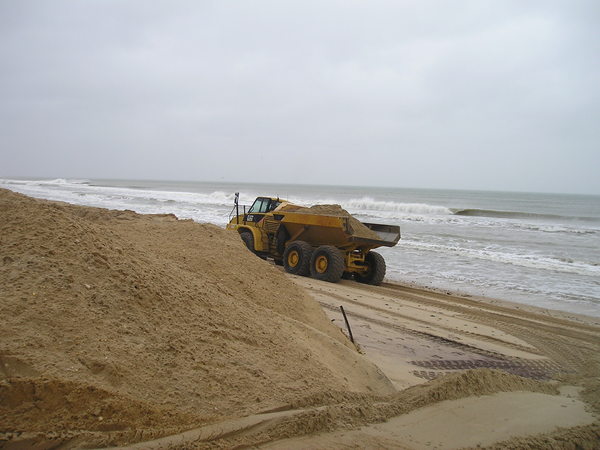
{"x": 148, "y": 308}
{"x": 357, "y": 228}
{"x": 123, "y": 329}
{"x": 453, "y": 424}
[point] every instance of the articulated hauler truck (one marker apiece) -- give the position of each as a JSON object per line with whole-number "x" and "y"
{"x": 326, "y": 245}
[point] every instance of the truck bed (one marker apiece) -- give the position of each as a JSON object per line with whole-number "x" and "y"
{"x": 319, "y": 229}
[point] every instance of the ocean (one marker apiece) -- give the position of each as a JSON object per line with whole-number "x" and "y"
{"x": 536, "y": 249}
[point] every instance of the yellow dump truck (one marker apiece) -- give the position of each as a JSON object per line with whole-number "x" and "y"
{"x": 325, "y": 244}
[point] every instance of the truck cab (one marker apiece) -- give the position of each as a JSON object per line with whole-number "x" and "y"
{"x": 258, "y": 233}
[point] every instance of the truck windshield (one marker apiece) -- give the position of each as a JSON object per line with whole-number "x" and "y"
{"x": 260, "y": 205}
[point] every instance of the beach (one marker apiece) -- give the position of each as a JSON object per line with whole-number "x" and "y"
{"x": 535, "y": 249}
{"x": 124, "y": 329}
{"x": 299, "y": 225}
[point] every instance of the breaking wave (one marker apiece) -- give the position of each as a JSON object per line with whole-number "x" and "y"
{"x": 518, "y": 215}
{"x": 557, "y": 264}
{"x": 55, "y": 181}
{"x": 369, "y": 204}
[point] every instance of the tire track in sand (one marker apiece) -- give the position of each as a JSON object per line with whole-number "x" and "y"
{"x": 556, "y": 345}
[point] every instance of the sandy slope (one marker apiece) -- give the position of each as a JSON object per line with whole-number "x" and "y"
{"x": 119, "y": 329}
{"x": 100, "y": 307}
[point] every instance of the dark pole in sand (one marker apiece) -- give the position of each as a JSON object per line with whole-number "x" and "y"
{"x": 347, "y": 324}
{"x": 237, "y": 207}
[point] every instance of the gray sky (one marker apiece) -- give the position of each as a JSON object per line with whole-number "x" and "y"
{"x": 500, "y": 95}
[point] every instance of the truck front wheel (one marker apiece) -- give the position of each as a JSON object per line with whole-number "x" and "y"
{"x": 296, "y": 258}
{"x": 375, "y": 270}
{"x": 327, "y": 264}
{"x": 249, "y": 241}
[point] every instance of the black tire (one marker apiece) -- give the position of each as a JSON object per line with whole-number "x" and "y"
{"x": 296, "y": 258}
{"x": 327, "y": 264}
{"x": 248, "y": 240}
{"x": 282, "y": 236}
{"x": 375, "y": 270}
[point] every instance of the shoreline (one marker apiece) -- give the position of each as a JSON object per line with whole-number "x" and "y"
{"x": 510, "y": 304}
{"x": 538, "y": 288}
{"x": 579, "y": 317}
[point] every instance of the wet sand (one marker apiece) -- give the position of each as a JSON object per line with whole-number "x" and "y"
{"x": 414, "y": 334}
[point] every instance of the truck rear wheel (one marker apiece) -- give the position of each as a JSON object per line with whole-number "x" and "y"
{"x": 375, "y": 270}
{"x": 327, "y": 264}
{"x": 296, "y": 258}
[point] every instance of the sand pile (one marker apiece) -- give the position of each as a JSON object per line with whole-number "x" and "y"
{"x": 146, "y": 321}
{"x": 357, "y": 228}
{"x": 41, "y": 404}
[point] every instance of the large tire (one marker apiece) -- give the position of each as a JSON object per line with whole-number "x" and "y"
{"x": 375, "y": 270}
{"x": 327, "y": 264}
{"x": 296, "y": 258}
{"x": 248, "y": 240}
{"x": 282, "y": 236}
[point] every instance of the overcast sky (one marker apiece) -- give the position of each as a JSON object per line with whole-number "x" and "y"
{"x": 500, "y": 95}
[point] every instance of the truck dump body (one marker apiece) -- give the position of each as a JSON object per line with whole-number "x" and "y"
{"x": 389, "y": 235}
{"x": 318, "y": 229}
